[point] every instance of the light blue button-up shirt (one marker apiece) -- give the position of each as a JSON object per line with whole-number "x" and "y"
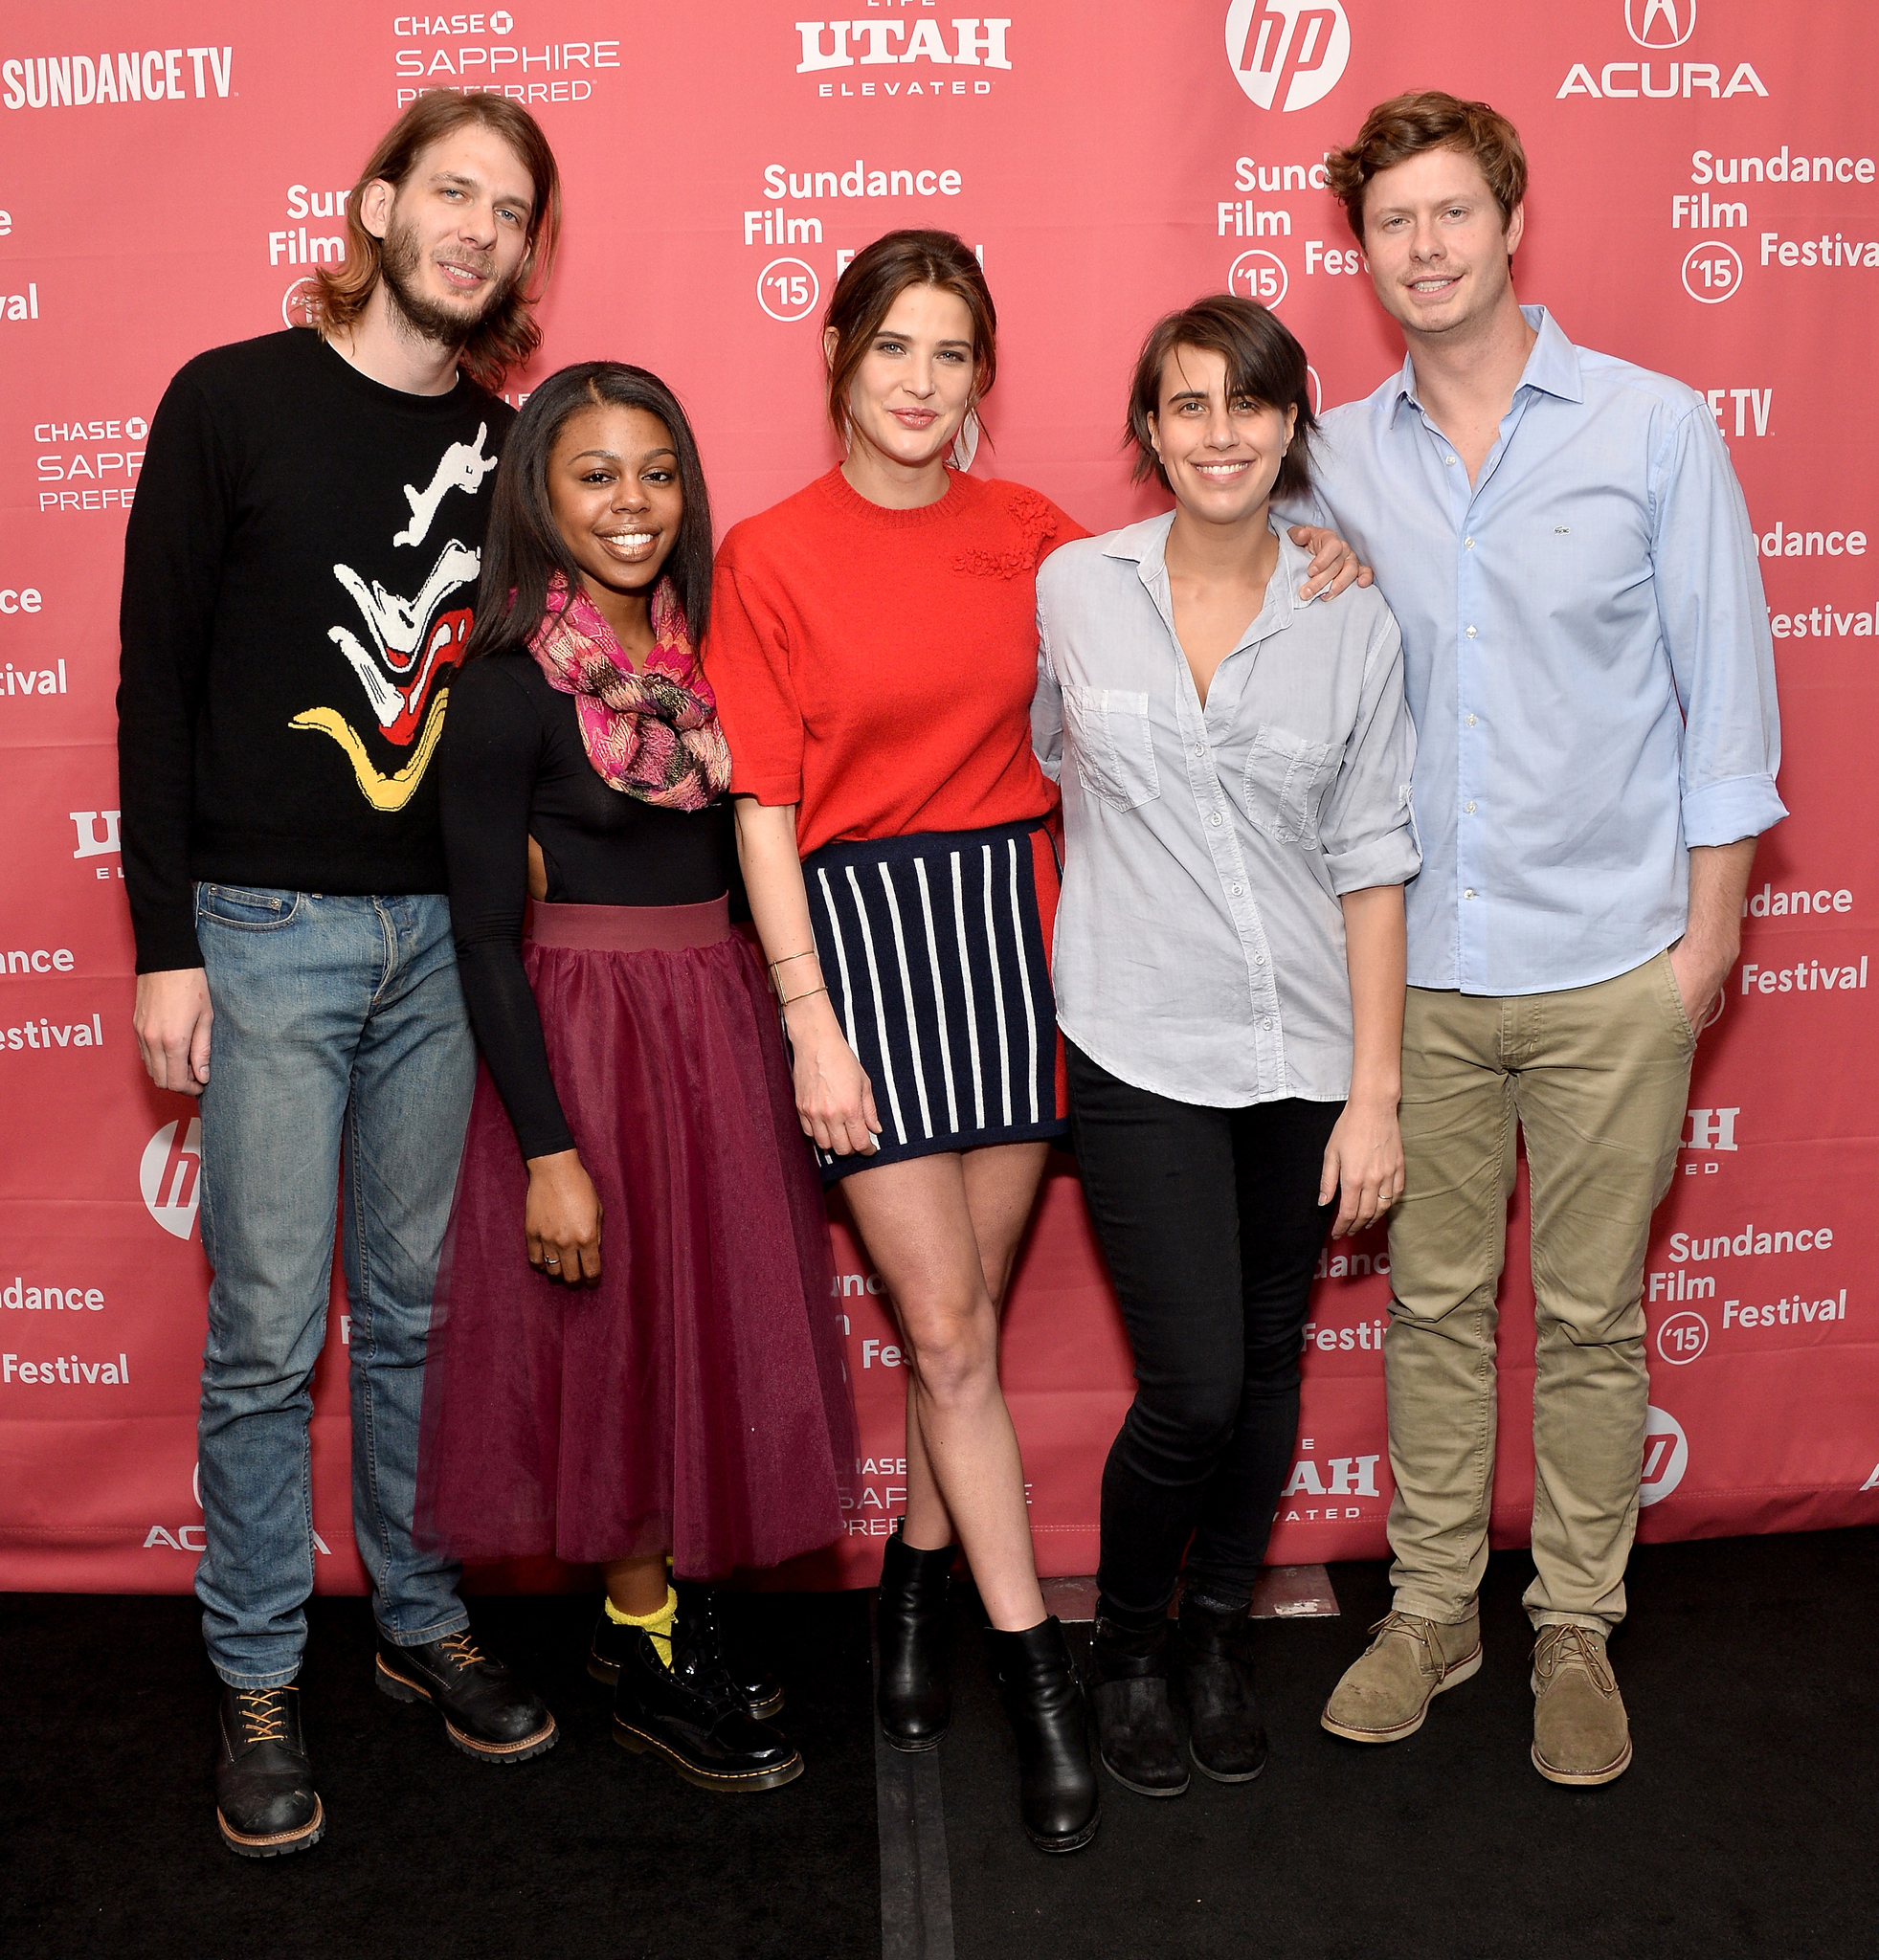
{"x": 1587, "y": 658}
{"x": 1200, "y": 950}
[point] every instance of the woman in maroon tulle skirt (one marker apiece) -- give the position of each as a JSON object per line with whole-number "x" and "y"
{"x": 667, "y": 1379}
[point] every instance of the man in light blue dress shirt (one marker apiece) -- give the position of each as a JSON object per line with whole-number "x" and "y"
{"x": 1589, "y": 667}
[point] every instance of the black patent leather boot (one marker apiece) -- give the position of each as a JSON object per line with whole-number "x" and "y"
{"x": 689, "y": 1713}
{"x": 1139, "y": 1732}
{"x": 762, "y": 1691}
{"x": 913, "y": 1691}
{"x": 1044, "y": 1701}
{"x": 1225, "y": 1735}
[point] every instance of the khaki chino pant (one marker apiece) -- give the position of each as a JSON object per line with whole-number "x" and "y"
{"x": 1597, "y": 1078}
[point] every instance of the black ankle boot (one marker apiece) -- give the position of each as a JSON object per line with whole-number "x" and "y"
{"x": 762, "y": 1691}
{"x": 1226, "y": 1736}
{"x": 265, "y": 1801}
{"x": 691, "y": 1714}
{"x": 914, "y": 1689}
{"x": 1044, "y": 1701}
{"x": 1138, "y": 1731}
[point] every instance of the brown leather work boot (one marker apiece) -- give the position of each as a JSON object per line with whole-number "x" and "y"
{"x": 1580, "y": 1734}
{"x": 1386, "y": 1692}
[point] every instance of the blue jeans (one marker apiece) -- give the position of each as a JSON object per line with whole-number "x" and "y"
{"x": 340, "y": 1044}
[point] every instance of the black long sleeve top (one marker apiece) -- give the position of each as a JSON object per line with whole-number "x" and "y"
{"x": 300, "y": 568}
{"x": 513, "y": 767}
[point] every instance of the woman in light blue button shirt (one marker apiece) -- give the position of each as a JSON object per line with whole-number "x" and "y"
{"x": 1229, "y": 972}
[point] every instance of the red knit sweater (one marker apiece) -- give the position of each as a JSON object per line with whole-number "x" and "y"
{"x": 876, "y": 667}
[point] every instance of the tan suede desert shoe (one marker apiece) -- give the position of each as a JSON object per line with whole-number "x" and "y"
{"x": 1580, "y": 1734}
{"x": 1386, "y": 1692}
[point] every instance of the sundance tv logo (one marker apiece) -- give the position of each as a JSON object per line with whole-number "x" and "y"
{"x": 1288, "y": 54}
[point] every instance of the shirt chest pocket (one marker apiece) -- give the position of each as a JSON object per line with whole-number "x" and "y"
{"x": 1113, "y": 741}
{"x": 1286, "y": 777}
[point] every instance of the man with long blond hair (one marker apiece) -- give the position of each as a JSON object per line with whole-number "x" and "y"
{"x": 300, "y": 570}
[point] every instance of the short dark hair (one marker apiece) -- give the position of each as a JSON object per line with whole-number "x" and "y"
{"x": 522, "y": 550}
{"x": 1425, "y": 120}
{"x": 876, "y": 276}
{"x": 1263, "y": 361}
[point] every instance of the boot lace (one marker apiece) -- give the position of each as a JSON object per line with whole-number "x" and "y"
{"x": 697, "y": 1648}
{"x": 263, "y": 1714}
{"x": 463, "y": 1650}
{"x": 1421, "y": 1630}
{"x": 1561, "y": 1646}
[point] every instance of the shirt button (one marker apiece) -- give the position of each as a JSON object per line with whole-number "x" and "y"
{"x": 1237, "y": 889}
{"x": 1469, "y": 544}
{"x": 1448, "y": 458}
{"x": 1469, "y": 808}
{"x": 1266, "y": 1021}
{"x": 1469, "y": 892}
{"x": 1470, "y": 720}
{"x": 1471, "y": 633}
{"x": 1215, "y": 819}
{"x": 1200, "y": 748}
{"x": 1259, "y": 959}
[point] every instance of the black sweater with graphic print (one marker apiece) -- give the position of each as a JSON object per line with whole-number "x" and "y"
{"x": 300, "y": 570}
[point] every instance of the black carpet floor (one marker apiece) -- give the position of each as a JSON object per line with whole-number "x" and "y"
{"x": 1745, "y": 1826}
{"x": 108, "y": 1845}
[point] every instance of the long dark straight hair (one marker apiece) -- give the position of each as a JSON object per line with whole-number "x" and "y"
{"x": 523, "y": 552}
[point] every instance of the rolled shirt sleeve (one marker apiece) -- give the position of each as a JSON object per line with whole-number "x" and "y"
{"x": 1715, "y": 622}
{"x": 1369, "y": 827}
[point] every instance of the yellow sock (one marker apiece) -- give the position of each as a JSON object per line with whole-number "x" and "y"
{"x": 657, "y": 1623}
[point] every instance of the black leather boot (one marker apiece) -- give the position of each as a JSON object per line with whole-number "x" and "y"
{"x": 265, "y": 1801}
{"x": 1226, "y": 1736}
{"x": 914, "y": 1690}
{"x": 762, "y": 1691}
{"x": 1139, "y": 1733}
{"x": 1043, "y": 1702}
{"x": 691, "y": 1715}
{"x": 487, "y": 1711}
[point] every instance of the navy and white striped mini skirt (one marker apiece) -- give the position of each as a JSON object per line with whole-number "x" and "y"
{"x": 936, "y": 950}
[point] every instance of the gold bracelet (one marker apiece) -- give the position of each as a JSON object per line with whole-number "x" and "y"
{"x": 808, "y": 994}
{"x": 788, "y": 957}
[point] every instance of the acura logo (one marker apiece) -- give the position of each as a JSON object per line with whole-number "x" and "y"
{"x": 1659, "y": 23}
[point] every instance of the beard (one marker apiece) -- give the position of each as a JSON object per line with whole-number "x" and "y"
{"x": 424, "y": 317}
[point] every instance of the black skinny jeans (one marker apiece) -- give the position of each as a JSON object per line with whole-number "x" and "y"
{"x": 1210, "y": 1224}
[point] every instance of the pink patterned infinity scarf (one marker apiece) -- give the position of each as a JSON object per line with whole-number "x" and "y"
{"x": 655, "y": 734}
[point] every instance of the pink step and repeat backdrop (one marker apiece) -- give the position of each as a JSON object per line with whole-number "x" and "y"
{"x": 1703, "y": 203}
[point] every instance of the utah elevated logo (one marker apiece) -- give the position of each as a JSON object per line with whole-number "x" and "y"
{"x": 1288, "y": 54}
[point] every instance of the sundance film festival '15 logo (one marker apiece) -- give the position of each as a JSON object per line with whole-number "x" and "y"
{"x": 170, "y": 1176}
{"x": 1288, "y": 54}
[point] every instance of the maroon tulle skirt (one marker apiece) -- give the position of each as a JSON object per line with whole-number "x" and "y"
{"x": 695, "y": 1399}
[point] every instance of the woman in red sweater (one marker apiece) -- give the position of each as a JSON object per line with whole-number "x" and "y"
{"x": 874, "y": 651}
